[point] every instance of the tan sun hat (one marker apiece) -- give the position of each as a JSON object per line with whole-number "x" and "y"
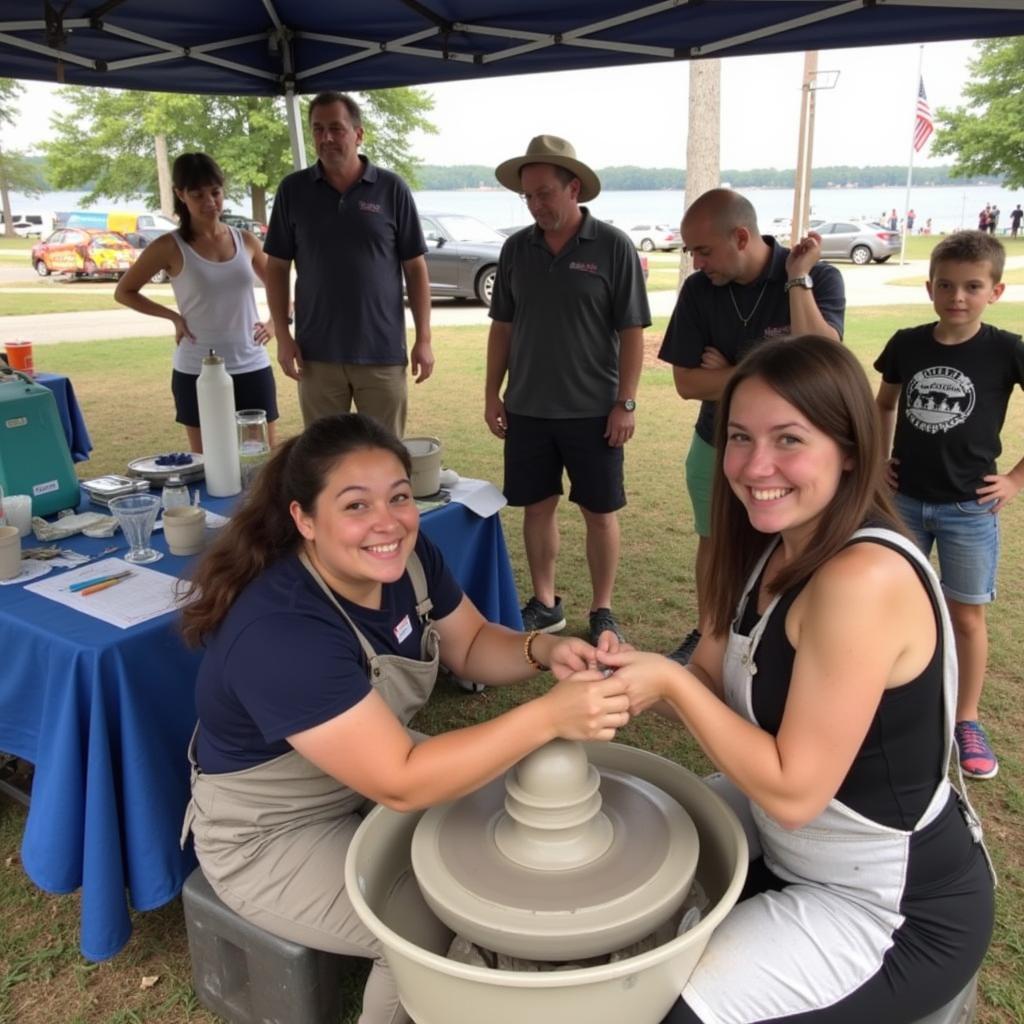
{"x": 549, "y": 149}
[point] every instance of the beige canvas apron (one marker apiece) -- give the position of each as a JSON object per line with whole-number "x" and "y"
{"x": 272, "y": 839}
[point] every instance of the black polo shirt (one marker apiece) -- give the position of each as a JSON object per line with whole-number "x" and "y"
{"x": 566, "y": 312}
{"x": 710, "y": 315}
{"x": 348, "y": 251}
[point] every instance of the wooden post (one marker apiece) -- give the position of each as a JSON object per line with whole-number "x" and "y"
{"x": 703, "y": 139}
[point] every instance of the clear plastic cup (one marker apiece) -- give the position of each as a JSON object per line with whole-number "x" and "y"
{"x": 253, "y": 443}
{"x": 136, "y": 514}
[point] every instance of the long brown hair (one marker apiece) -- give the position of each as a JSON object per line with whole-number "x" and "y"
{"x": 262, "y": 530}
{"x": 192, "y": 170}
{"x": 822, "y": 379}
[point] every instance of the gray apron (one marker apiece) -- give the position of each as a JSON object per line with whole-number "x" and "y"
{"x": 272, "y": 838}
{"x": 815, "y": 942}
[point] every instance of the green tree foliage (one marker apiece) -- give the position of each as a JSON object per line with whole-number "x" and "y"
{"x": 17, "y": 173}
{"x": 987, "y": 136}
{"x": 105, "y": 142}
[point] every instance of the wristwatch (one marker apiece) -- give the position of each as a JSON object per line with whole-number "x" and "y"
{"x": 800, "y": 282}
{"x": 629, "y": 404}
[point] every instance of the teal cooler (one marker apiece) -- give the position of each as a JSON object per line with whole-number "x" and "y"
{"x": 34, "y": 456}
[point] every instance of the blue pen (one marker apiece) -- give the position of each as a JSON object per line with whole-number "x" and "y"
{"x": 75, "y": 587}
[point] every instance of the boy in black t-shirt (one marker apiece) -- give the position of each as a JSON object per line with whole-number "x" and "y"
{"x": 950, "y": 383}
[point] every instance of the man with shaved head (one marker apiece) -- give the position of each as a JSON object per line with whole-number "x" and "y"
{"x": 745, "y": 287}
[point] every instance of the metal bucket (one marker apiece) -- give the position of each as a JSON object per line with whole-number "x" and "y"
{"x": 436, "y": 990}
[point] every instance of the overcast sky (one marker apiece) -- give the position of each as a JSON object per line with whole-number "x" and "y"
{"x": 637, "y": 114}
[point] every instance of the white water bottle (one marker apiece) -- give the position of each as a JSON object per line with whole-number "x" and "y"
{"x": 216, "y": 395}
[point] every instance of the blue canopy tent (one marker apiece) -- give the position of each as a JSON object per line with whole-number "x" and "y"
{"x": 289, "y": 47}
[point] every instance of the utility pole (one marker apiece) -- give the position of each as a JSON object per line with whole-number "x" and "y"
{"x": 703, "y": 139}
{"x": 813, "y": 80}
{"x": 163, "y": 176}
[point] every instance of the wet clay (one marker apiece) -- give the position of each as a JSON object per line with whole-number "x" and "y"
{"x": 557, "y": 860}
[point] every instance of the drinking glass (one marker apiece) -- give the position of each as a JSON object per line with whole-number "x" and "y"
{"x": 253, "y": 442}
{"x": 136, "y": 514}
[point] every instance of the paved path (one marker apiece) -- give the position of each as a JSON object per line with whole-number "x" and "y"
{"x": 865, "y": 286}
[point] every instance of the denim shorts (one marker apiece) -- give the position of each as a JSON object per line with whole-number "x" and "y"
{"x": 967, "y": 536}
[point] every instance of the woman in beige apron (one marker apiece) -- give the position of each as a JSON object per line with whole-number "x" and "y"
{"x": 324, "y": 615}
{"x": 825, "y": 694}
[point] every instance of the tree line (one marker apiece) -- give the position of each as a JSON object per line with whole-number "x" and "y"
{"x": 631, "y": 178}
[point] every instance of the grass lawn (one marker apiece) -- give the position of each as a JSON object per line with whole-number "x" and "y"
{"x": 68, "y": 297}
{"x": 130, "y": 413}
{"x": 1015, "y": 275}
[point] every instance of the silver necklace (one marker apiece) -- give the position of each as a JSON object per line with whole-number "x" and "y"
{"x": 746, "y": 319}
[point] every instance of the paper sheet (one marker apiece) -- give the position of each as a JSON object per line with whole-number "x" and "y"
{"x": 144, "y": 595}
{"x": 479, "y": 496}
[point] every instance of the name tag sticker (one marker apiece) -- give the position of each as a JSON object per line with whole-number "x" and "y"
{"x": 403, "y": 630}
{"x": 45, "y": 488}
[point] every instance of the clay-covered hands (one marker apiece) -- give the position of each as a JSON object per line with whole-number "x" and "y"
{"x": 645, "y": 678}
{"x": 574, "y": 654}
{"x": 588, "y": 706}
{"x": 892, "y": 472}
{"x": 803, "y": 255}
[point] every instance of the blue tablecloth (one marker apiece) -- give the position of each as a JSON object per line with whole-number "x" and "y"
{"x": 105, "y": 715}
{"x": 70, "y": 414}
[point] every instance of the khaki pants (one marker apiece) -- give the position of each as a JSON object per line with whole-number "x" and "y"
{"x": 381, "y": 392}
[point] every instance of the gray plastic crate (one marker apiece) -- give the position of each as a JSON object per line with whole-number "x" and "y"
{"x": 248, "y": 976}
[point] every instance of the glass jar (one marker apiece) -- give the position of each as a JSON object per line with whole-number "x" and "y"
{"x": 253, "y": 442}
{"x": 175, "y": 493}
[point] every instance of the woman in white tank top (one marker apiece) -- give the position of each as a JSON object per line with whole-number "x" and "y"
{"x": 213, "y": 269}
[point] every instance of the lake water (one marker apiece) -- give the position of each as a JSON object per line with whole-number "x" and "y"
{"x": 949, "y": 207}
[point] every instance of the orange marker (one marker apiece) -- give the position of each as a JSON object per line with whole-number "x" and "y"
{"x": 101, "y": 586}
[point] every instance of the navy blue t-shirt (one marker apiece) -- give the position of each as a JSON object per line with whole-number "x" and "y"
{"x": 284, "y": 660}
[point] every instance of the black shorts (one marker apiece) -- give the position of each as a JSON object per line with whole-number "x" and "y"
{"x": 538, "y": 450}
{"x": 254, "y": 390}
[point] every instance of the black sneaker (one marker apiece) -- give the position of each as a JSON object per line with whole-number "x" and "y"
{"x": 684, "y": 652}
{"x": 538, "y": 616}
{"x": 602, "y": 620}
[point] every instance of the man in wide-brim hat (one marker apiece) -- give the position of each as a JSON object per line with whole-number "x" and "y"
{"x": 568, "y": 312}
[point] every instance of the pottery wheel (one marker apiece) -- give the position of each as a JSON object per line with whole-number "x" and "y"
{"x": 556, "y": 861}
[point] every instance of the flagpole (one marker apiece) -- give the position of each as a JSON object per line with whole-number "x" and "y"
{"x": 910, "y": 164}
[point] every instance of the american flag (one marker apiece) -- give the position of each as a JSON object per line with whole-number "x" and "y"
{"x": 923, "y": 126}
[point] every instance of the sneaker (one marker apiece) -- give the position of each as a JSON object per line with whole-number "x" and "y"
{"x": 602, "y": 620}
{"x": 977, "y": 761}
{"x": 538, "y": 616}
{"x": 684, "y": 652}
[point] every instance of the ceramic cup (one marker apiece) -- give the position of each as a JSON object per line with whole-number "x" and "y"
{"x": 185, "y": 530}
{"x": 10, "y": 552}
{"x": 18, "y": 509}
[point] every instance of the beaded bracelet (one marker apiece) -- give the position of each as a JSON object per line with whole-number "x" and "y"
{"x": 528, "y": 652}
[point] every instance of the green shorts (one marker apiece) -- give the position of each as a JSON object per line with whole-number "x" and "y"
{"x": 700, "y": 473}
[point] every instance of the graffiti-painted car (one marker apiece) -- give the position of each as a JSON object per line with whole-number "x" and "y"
{"x": 82, "y": 252}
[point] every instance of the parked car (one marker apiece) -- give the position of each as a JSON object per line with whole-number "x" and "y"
{"x": 462, "y": 255}
{"x": 30, "y": 225}
{"x": 138, "y": 240}
{"x": 236, "y": 220}
{"x": 649, "y": 237}
{"x": 82, "y": 252}
{"x": 859, "y": 241}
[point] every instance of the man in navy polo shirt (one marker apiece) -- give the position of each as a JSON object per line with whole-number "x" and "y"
{"x": 568, "y": 313}
{"x": 745, "y": 288}
{"x": 352, "y": 231}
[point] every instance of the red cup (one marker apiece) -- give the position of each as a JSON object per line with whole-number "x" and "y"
{"x": 19, "y": 355}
